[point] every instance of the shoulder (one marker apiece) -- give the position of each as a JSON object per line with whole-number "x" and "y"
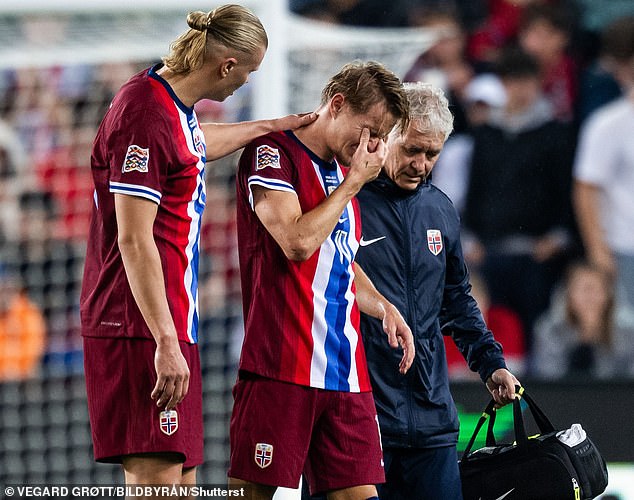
{"x": 610, "y": 117}
{"x": 434, "y": 196}
{"x": 141, "y": 96}
{"x": 278, "y": 140}
{"x": 440, "y": 196}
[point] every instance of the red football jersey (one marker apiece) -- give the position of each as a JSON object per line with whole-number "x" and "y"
{"x": 149, "y": 145}
{"x": 301, "y": 318}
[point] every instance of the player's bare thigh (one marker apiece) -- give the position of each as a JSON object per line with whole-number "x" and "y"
{"x": 254, "y": 491}
{"x": 157, "y": 469}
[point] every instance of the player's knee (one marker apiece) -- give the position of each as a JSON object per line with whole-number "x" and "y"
{"x": 252, "y": 491}
{"x": 153, "y": 468}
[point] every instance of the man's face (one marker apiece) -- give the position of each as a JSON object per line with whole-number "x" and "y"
{"x": 239, "y": 73}
{"x": 347, "y": 128}
{"x": 521, "y": 92}
{"x": 412, "y": 156}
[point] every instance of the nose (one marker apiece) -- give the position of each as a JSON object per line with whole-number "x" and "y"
{"x": 422, "y": 164}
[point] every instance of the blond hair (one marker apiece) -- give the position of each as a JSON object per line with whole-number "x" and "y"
{"x": 364, "y": 84}
{"x": 231, "y": 26}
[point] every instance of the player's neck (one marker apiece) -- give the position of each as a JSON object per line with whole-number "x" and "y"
{"x": 181, "y": 86}
{"x": 312, "y": 136}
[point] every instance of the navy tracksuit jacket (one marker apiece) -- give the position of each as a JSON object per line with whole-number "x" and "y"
{"x": 412, "y": 253}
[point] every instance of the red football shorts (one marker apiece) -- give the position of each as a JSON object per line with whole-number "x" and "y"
{"x": 279, "y": 430}
{"x": 124, "y": 419}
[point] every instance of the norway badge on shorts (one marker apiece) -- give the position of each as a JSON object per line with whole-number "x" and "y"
{"x": 263, "y": 454}
{"x": 168, "y": 422}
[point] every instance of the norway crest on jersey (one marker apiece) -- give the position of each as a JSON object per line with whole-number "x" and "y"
{"x": 199, "y": 143}
{"x": 168, "y": 422}
{"x": 266, "y": 156}
{"x": 263, "y": 454}
{"x": 434, "y": 241}
{"x": 136, "y": 158}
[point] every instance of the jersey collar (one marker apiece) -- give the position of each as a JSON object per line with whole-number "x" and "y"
{"x": 152, "y": 73}
{"x": 328, "y": 165}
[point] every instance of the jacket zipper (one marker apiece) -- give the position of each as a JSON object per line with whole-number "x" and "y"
{"x": 411, "y": 311}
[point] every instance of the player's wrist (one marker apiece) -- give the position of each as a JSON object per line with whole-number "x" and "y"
{"x": 166, "y": 340}
{"x": 352, "y": 184}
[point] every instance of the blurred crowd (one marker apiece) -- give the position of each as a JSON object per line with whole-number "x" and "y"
{"x": 540, "y": 166}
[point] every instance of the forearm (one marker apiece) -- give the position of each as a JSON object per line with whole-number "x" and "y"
{"x": 301, "y": 234}
{"x": 225, "y": 138}
{"x": 370, "y": 301}
{"x": 316, "y": 225}
{"x": 144, "y": 271}
{"x": 587, "y": 210}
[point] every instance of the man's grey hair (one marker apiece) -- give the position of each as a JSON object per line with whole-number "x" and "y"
{"x": 429, "y": 109}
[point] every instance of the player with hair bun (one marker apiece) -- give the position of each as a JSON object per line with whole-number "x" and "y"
{"x": 139, "y": 312}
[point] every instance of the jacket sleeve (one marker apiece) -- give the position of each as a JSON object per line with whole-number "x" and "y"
{"x": 460, "y": 316}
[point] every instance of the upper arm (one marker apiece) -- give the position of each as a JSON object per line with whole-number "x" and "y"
{"x": 596, "y": 154}
{"x": 269, "y": 182}
{"x": 138, "y": 156}
{"x": 135, "y": 217}
{"x": 278, "y": 211}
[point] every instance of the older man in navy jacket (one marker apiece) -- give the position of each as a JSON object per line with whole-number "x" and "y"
{"x": 411, "y": 251}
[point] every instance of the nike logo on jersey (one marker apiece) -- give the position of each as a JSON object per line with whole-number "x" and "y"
{"x": 365, "y": 243}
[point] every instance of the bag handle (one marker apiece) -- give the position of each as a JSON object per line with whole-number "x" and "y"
{"x": 487, "y": 413}
{"x": 542, "y": 421}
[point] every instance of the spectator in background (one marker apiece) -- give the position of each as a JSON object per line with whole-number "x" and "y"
{"x": 518, "y": 211}
{"x": 506, "y": 327}
{"x": 444, "y": 63}
{"x": 64, "y": 174}
{"x": 499, "y": 29}
{"x": 604, "y": 169}
{"x": 483, "y": 95}
{"x": 583, "y": 333}
{"x": 377, "y": 13}
{"x": 49, "y": 267}
{"x": 496, "y": 31}
{"x": 545, "y": 33}
{"x": 22, "y": 330}
{"x": 13, "y": 162}
{"x": 597, "y": 85}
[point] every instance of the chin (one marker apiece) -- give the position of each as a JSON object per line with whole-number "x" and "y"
{"x": 344, "y": 160}
{"x": 409, "y": 185}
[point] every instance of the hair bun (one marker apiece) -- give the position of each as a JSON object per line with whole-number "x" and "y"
{"x": 197, "y": 20}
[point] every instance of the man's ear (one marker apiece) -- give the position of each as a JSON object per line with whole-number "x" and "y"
{"x": 227, "y": 65}
{"x": 336, "y": 104}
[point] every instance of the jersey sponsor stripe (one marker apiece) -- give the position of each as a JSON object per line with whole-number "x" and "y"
{"x": 319, "y": 324}
{"x": 336, "y": 344}
{"x": 349, "y": 330}
{"x": 135, "y": 190}
{"x": 195, "y": 207}
{"x": 359, "y": 379}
